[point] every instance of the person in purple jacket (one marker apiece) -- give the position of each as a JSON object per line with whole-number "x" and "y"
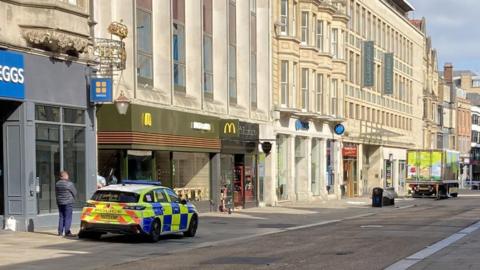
{"x": 65, "y": 193}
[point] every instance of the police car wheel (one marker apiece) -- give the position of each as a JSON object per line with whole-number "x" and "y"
{"x": 155, "y": 231}
{"x": 192, "y": 228}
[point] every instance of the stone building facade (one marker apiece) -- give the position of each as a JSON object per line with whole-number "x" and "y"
{"x": 383, "y": 95}
{"x": 47, "y": 122}
{"x": 199, "y": 71}
{"x": 308, "y": 78}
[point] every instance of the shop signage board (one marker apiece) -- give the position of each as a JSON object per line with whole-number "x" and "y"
{"x": 339, "y": 129}
{"x": 12, "y": 76}
{"x": 201, "y": 126}
{"x": 368, "y": 64}
{"x": 100, "y": 90}
{"x": 349, "y": 150}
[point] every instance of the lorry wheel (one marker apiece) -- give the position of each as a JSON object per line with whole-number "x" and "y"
{"x": 454, "y": 195}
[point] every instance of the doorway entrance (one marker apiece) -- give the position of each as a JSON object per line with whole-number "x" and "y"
{"x": 239, "y": 181}
{"x": 350, "y": 177}
{"x": 6, "y": 109}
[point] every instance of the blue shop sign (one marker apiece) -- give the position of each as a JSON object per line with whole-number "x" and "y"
{"x": 100, "y": 90}
{"x": 301, "y": 125}
{"x": 339, "y": 129}
{"x": 12, "y": 77}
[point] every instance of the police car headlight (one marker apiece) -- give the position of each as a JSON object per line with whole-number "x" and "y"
{"x": 134, "y": 207}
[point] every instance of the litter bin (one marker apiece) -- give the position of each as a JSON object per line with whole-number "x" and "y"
{"x": 377, "y": 195}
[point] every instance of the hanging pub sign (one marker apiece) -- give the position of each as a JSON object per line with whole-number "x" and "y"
{"x": 11, "y": 75}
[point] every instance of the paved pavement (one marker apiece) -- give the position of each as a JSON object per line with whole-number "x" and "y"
{"x": 45, "y": 250}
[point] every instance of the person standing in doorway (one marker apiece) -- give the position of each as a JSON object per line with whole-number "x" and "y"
{"x": 66, "y": 193}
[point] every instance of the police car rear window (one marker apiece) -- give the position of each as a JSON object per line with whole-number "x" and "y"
{"x": 115, "y": 196}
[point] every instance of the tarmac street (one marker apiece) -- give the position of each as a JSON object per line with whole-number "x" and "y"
{"x": 346, "y": 234}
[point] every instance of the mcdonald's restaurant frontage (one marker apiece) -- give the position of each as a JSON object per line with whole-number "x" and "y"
{"x": 179, "y": 149}
{"x": 239, "y": 164}
{"x": 208, "y": 160}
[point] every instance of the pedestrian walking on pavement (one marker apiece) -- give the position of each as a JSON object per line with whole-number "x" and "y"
{"x": 66, "y": 193}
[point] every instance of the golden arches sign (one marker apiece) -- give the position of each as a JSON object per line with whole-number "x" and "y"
{"x": 147, "y": 119}
{"x": 229, "y": 128}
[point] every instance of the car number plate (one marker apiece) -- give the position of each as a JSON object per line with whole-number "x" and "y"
{"x": 108, "y": 216}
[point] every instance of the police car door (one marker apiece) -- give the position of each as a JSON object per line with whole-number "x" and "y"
{"x": 166, "y": 209}
{"x": 176, "y": 213}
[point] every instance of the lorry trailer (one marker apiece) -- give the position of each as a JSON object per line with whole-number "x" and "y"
{"x": 433, "y": 173}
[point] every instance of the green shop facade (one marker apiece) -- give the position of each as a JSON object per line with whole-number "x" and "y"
{"x": 185, "y": 151}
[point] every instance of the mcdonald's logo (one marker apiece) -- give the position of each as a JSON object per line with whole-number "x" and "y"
{"x": 229, "y": 128}
{"x": 147, "y": 119}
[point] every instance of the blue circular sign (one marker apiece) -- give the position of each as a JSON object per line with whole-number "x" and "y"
{"x": 339, "y": 129}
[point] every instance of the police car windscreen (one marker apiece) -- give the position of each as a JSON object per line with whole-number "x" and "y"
{"x": 115, "y": 196}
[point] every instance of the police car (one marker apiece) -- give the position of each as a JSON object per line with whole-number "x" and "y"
{"x": 137, "y": 207}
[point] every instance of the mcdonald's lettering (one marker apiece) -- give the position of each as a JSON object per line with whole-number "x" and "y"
{"x": 147, "y": 119}
{"x": 229, "y": 128}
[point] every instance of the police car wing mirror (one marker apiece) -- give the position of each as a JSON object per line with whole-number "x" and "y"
{"x": 184, "y": 201}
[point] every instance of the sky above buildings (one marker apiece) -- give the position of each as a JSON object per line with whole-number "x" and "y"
{"x": 454, "y": 26}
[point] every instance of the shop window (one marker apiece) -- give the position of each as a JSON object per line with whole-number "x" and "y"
{"x": 282, "y": 167}
{"x": 163, "y": 168}
{"x": 74, "y": 116}
{"x": 250, "y": 178}
{"x": 315, "y": 172}
{"x": 54, "y": 154}
{"x": 47, "y": 113}
{"x": 191, "y": 175}
{"x": 329, "y": 167}
{"x": 109, "y": 165}
{"x": 74, "y": 158}
{"x": 140, "y": 165}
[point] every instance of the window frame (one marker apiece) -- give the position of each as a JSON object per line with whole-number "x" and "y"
{"x": 180, "y": 63}
{"x": 305, "y": 88}
{"x": 143, "y": 81}
{"x": 207, "y": 71}
{"x": 304, "y": 28}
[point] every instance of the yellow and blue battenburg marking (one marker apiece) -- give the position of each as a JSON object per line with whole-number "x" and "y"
{"x": 174, "y": 217}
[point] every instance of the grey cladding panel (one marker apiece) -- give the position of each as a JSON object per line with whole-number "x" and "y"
{"x": 55, "y": 81}
{"x": 13, "y": 160}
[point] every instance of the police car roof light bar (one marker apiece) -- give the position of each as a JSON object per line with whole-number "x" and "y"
{"x": 141, "y": 182}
